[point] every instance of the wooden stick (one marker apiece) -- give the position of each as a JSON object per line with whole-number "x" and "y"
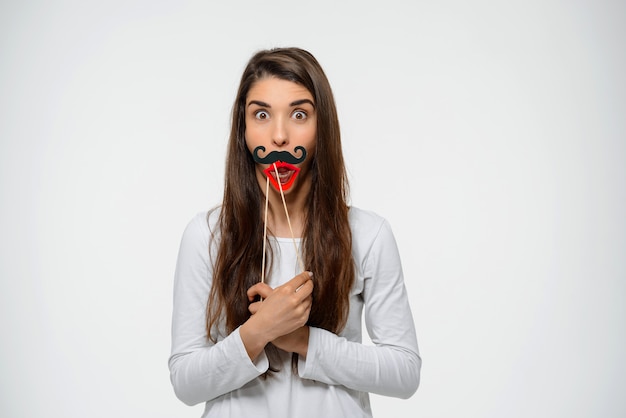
{"x": 267, "y": 193}
{"x": 293, "y": 238}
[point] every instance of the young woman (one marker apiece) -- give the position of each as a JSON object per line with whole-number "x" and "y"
{"x": 271, "y": 285}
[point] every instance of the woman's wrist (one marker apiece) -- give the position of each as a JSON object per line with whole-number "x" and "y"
{"x": 253, "y": 341}
{"x": 304, "y": 346}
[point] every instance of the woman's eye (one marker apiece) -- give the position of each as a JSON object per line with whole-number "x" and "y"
{"x": 261, "y": 114}
{"x": 299, "y": 115}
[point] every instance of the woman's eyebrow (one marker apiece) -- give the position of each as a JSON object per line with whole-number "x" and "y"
{"x": 259, "y": 103}
{"x": 294, "y": 103}
{"x": 302, "y": 101}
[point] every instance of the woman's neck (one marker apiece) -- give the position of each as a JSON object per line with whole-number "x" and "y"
{"x": 284, "y": 224}
{"x": 286, "y": 218}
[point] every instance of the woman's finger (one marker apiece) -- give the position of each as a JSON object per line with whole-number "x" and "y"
{"x": 259, "y": 289}
{"x": 254, "y": 307}
{"x": 297, "y": 282}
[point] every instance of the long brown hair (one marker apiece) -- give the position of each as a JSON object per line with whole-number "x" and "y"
{"x": 327, "y": 239}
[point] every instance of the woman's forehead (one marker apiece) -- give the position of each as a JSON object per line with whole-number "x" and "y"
{"x": 278, "y": 90}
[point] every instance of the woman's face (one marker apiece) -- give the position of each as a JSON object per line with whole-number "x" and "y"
{"x": 280, "y": 116}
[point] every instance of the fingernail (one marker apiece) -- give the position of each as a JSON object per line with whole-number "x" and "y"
{"x": 310, "y": 274}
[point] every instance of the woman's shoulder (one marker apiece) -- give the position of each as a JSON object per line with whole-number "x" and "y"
{"x": 203, "y": 223}
{"x": 371, "y": 235}
{"x": 361, "y": 218}
{"x": 366, "y": 224}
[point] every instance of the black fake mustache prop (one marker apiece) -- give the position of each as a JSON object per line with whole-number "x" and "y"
{"x": 275, "y": 156}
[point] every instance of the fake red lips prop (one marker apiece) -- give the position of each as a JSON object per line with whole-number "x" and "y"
{"x": 282, "y": 175}
{"x": 282, "y": 172}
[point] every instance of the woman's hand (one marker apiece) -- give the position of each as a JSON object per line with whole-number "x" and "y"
{"x": 294, "y": 342}
{"x": 283, "y": 310}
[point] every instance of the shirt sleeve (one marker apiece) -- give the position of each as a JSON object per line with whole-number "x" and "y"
{"x": 390, "y": 367}
{"x": 199, "y": 369}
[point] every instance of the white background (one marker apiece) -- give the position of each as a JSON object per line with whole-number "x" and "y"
{"x": 490, "y": 134}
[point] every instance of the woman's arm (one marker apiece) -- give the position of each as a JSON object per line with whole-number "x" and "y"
{"x": 280, "y": 318}
{"x": 200, "y": 370}
{"x": 392, "y": 366}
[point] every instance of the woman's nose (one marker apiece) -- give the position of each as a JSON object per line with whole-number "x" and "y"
{"x": 280, "y": 136}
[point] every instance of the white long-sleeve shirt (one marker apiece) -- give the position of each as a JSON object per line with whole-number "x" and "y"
{"x": 339, "y": 371}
